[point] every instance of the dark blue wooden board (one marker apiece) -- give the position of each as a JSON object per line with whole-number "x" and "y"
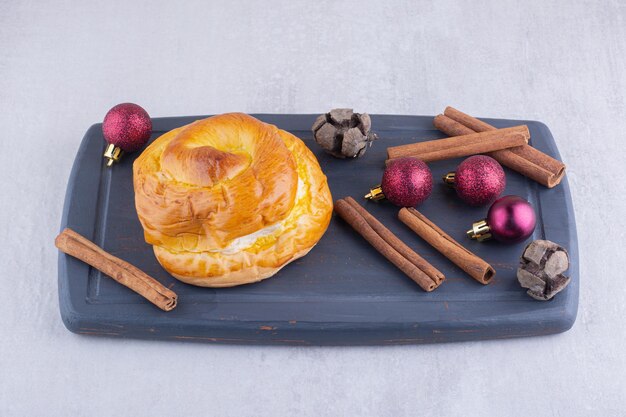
{"x": 343, "y": 292}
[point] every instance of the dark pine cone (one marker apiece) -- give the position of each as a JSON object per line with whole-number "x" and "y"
{"x": 343, "y": 133}
{"x": 541, "y": 269}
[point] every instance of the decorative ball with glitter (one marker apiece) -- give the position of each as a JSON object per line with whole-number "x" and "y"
{"x": 478, "y": 180}
{"x": 126, "y": 127}
{"x": 406, "y": 182}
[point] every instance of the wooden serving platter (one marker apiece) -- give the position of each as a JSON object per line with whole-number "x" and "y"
{"x": 343, "y": 292}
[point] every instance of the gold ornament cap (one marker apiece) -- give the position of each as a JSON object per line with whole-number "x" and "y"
{"x": 375, "y": 193}
{"x": 480, "y": 231}
{"x": 113, "y": 154}
{"x": 449, "y": 178}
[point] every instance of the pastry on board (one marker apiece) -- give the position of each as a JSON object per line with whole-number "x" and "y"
{"x": 230, "y": 200}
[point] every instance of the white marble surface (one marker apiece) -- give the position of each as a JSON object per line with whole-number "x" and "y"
{"x": 63, "y": 64}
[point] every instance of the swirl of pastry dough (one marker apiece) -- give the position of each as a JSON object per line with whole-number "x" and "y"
{"x": 229, "y": 200}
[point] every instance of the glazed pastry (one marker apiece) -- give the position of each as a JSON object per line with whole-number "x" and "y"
{"x": 230, "y": 200}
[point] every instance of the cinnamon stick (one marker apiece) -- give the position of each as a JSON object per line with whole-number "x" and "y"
{"x": 396, "y": 243}
{"x": 451, "y": 127}
{"x": 524, "y": 159}
{"x": 78, "y": 246}
{"x": 389, "y": 245}
{"x": 466, "y": 120}
{"x": 477, "y": 268}
{"x": 458, "y": 146}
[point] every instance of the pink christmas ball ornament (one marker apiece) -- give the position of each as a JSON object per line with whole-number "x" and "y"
{"x": 478, "y": 180}
{"x": 510, "y": 219}
{"x": 406, "y": 182}
{"x": 128, "y": 126}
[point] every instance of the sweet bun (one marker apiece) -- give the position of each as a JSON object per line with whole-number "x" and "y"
{"x": 230, "y": 200}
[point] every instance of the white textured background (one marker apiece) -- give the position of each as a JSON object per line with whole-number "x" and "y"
{"x": 64, "y": 64}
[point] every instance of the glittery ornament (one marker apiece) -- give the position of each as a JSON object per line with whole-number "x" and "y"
{"x": 126, "y": 127}
{"x": 478, "y": 180}
{"x": 510, "y": 219}
{"x": 406, "y": 182}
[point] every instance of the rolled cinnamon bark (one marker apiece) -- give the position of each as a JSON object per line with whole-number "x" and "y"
{"x": 353, "y": 217}
{"x": 458, "y": 146}
{"x": 477, "y": 268}
{"x": 466, "y": 120}
{"x": 434, "y": 274}
{"x": 451, "y": 127}
{"x": 533, "y": 164}
{"x": 524, "y": 159}
{"x": 78, "y": 246}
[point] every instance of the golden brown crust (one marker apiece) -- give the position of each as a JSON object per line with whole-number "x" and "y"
{"x": 230, "y": 200}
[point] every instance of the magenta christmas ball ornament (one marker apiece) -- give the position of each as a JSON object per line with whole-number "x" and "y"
{"x": 478, "y": 180}
{"x": 126, "y": 128}
{"x": 510, "y": 219}
{"x": 407, "y": 182}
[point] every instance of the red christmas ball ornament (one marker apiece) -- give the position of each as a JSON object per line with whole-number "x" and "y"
{"x": 510, "y": 219}
{"x": 406, "y": 182}
{"x": 126, "y": 127}
{"x": 478, "y": 180}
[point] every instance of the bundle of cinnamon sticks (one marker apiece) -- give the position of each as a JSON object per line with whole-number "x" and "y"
{"x": 389, "y": 245}
{"x": 403, "y": 257}
{"x": 470, "y": 136}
